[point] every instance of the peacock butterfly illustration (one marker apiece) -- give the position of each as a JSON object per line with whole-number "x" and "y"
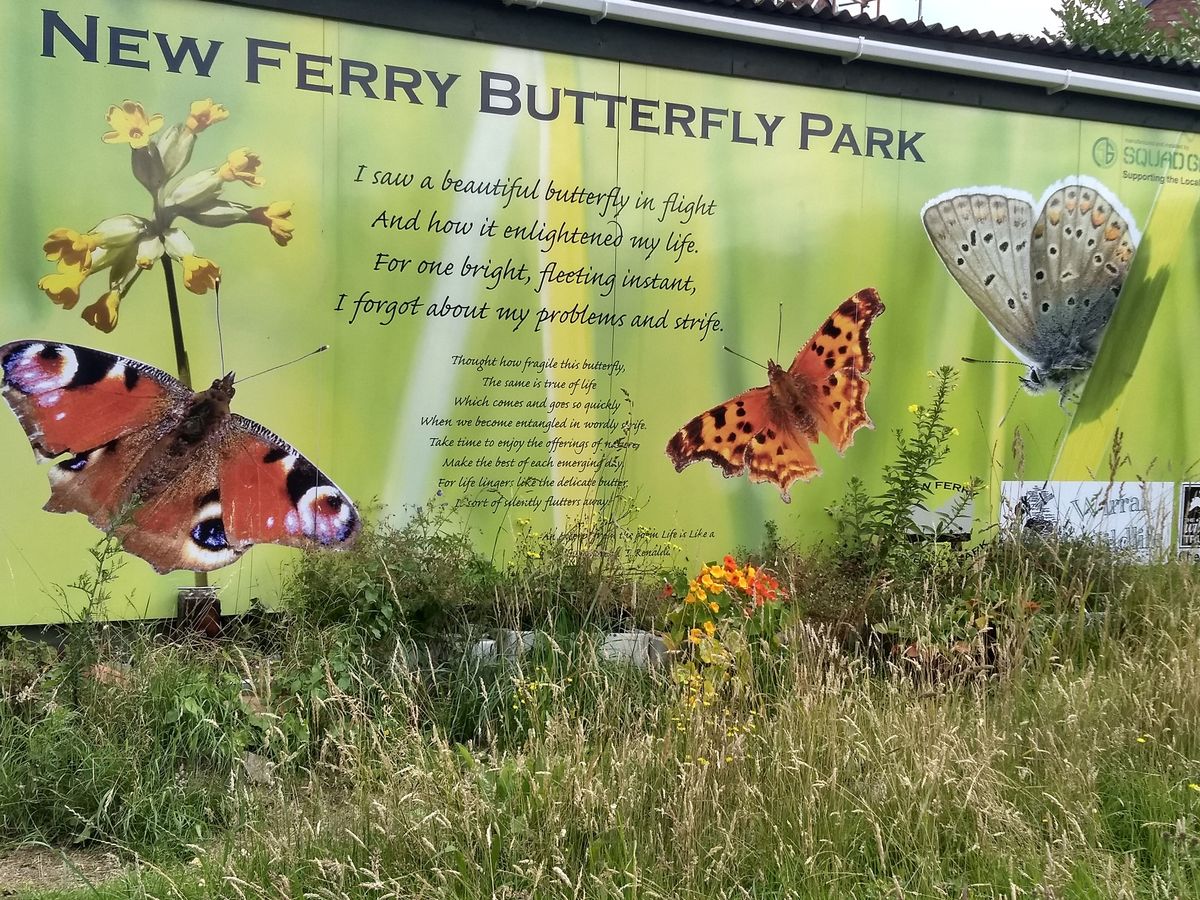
{"x": 771, "y": 429}
{"x": 184, "y": 482}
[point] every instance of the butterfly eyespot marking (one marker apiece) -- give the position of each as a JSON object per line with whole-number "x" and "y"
{"x": 209, "y": 534}
{"x": 831, "y": 330}
{"x": 746, "y": 427}
{"x": 213, "y": 496}
{"x": 1021, "y": 246}
{"x": 718, "y": 440}
{"x": 960, "y": 261}
{"x": 732, "y": 436}
{"x": 771, "y": 433}
{"x": 830, "y": 362}
{"x": 1087, "y": 301}
{"x": 988, "y": 281}
{"x": 1012, "y": 303}
{"x": 760, "y": 438}
{"x": 1078, "y": 232}
{"x": 966, "y": 248}
{"x": 1070, "y": 301}
{"x": 973, "y": 236}
{"x": 819, "y": 348}
{"x": 1039, "y": 275}
{"x": 987, "y": 238}
{"x": 740, "y": 413}
{"x": 833, "y": 380}
{"x": 1003, "y": 245}
{"x": 837, "y": 404}
{"x": 1053, "y": 250}
{"x": 1066, "y": 276}
{"x": 1045, "y": 307}
{"x": 718, "y": 414}
{"x": 75, "y": 463}
{"x": 741, "y": 403}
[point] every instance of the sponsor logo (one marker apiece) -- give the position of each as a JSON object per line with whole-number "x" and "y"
{"x": 1133, "y": 516}
{"x": 1104, "y": 153}
{"x": 1189, "y": 517}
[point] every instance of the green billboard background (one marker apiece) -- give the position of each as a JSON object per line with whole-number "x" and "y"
{"x": 780, "y": 234}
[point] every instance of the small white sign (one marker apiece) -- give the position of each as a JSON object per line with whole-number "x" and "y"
{"x": 1129, "y": 515}
{"x": 1189, "y": 519}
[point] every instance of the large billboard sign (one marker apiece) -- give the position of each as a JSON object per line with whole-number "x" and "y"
{"x": 527, "y": 267}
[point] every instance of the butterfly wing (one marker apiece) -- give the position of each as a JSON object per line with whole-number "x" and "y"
{"x": 983, "y": 237}
{"x": 831, "y": 366}
{"x": 271, "y": 493}
{"x": 74, "y": 399}
{"x": 747, "y": 432}
{"x": 243, "y": 486}
{"x": 1082, "y": 244}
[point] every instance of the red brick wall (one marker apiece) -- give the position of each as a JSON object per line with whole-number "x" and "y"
{"x": 1167, "y": 12}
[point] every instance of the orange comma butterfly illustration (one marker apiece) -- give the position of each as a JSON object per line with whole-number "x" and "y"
{"x": 770, "y": 429}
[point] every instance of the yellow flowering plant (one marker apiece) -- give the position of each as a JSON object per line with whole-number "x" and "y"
{"x": 714, "y": 620}
{"x": 126, "y": 245}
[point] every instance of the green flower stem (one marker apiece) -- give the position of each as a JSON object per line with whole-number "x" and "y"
{"x": 182, "y": 368}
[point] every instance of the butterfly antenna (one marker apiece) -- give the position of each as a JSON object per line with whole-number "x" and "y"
{"x": 779, "y": 332}
{"x": 320, "y": 349}
{"x": 746, "y": 358}
{"x": 997, "y": 362}
{"x": 220, "y": 336}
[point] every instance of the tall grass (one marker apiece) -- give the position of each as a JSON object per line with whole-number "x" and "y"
{"x": 1067, "y": 767}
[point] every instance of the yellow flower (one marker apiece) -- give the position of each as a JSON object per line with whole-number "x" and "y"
{"x": 200, "y": 274}
{"x": 954, "y": 432}
{"x": 63, "y": 288}
{"x": 70, "y": 247}
{"x": 1194, "y": 787}
{"x": 1141, "y": 740}
{"x": 103, "y": 313}
{"x": 130, "y": 125}
{"x": 533, "y": 554}
{"x": 695, "y": 636}
{"x": 914, "y": 407}
{"x": 710, "y": 629}
{"x": 701, "y": 760}
{"x": 204, "y": 113}
{"x": 241, "y": 165}
{"x": 276, "y": 216}
{"x": 706, "y": 581}
{"x": 714, "y": 606}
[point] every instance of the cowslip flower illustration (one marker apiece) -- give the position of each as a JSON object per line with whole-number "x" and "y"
{"x": 126, "y": 245}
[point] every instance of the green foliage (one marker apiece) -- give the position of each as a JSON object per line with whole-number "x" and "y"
{"x": 398, "y": 578}
{"x": 1125, "y": 26}
{"x": 874, "y": 532}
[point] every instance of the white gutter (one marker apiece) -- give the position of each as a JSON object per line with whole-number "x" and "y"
{"x": 855, "y": 48}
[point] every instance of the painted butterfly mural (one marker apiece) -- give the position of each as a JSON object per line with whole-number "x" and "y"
{"x": 770, "y": 430}
{"x": 1047, "y": 286}
{"x": 185, "y": 483}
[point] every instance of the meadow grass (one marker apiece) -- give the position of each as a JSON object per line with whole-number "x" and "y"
{"x": 1063, "y": 761}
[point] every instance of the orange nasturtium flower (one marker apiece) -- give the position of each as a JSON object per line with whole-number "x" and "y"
{"x": 126, "y": 245}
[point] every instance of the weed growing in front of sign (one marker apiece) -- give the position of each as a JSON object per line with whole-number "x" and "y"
{"x": 875, "y": 531}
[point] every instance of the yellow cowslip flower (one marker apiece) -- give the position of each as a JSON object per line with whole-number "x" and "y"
{"x": 70, "y": 247}
{"x": 63, "y": 287}
{"x": 709, "y": 628}
{"x": 914, "y": 407}
{"x": 204, "y": 113}
{"x": 199, "y": 274}
{"x": 130, "y": 125}
{"x": 695, "y": 636}
{"x": 707, "y": 582}
{"x": 714, "y": 606}
{"x": 691, "y": 597}
{"x": 241, "y": 165}
{"x": 750, "y": 572}
{"x": 103, "y": 313}
{"x": 276, "y": 217}
{"x": 716, "y": 572}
